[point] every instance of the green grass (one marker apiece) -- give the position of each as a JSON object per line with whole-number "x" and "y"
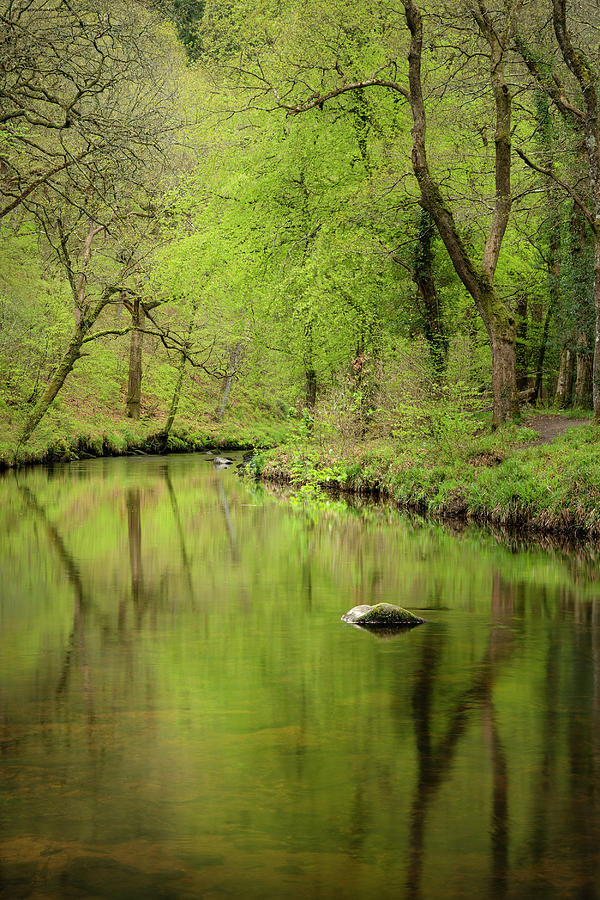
{"x": 498, "y": 477}
{"x": 70, "y": 431}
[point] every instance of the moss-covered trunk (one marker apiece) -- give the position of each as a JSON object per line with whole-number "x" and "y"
{"x": 553, "y": 305}
{"x": 585, "y": 73}
{"x": 505, "y": 404}
{"x": 70, "y": 357}
{"x": 165, "y": 431}
{"x": 433, "y": 322}
{"x": 564, "y": 384}
{"x": 522, "y": 345}
{"x": 596, "y": 364}
{"x": 134, "y": 390}
{"x": 584, "y": 369}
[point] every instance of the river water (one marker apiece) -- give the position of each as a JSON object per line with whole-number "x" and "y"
{"x": 184, "y": 715}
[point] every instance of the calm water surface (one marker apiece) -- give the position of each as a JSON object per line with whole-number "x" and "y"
{"x": 183, "y": 715}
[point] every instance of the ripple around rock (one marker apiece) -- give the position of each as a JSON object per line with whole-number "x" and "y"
{"x": 382, "y": 615}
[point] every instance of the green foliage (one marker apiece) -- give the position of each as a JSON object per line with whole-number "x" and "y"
{"x": 448, "y": 422}
{"x": 35, "y": 317}
{"x": 492, "y": 477}
{"x": 187, "y": 16}
{"x": 511, "y": 491}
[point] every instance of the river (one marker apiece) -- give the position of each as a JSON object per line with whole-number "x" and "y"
{"x": 184, "y": 715}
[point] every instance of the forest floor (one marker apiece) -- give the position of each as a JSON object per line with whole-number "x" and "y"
{"x": 551, "y": 426}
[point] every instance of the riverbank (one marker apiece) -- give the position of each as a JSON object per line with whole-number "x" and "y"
{"x": 507, "y": 478}
{"x": 74, "y": 439}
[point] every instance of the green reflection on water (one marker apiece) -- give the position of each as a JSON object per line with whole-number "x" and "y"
{"x": 183, "y": 714}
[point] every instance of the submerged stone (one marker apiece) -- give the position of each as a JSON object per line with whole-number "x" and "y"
{"x": 382, "y": 615}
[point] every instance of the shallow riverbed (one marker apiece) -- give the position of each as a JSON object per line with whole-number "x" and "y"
{"x": 184, "y": 715}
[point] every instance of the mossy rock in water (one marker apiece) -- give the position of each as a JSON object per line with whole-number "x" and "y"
{"x": 382, "y": 615}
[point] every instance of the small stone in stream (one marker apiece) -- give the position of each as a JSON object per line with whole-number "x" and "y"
{"x": 222, "y": 462}
{"x": 382, "y": 615}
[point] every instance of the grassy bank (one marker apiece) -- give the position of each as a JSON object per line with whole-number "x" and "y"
{"x": 69, "y": 433}
{"x": 504, "y": 478}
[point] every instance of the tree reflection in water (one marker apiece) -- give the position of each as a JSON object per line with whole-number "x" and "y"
{"x": 178, "y": 651}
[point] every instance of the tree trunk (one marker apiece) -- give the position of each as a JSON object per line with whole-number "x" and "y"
{"x": 309, "y": 370}
{"x": 596, "y": 363}
{"x": 505, "y": 404}
{"x": 70, "y": 357}
{"x": 235, "y": 355}
{"x": 433, "y": 323}
{"x": 584, "y": 367}
{"x": 477, "y": 279}
{"x": 585, "y": 74}
{"x": 164, "y": 433}
{"x": 522, "y": 349}
{"x": 553, "y": 299}
{"x": 311, "y": 388}
{"x": 564, "y": 385}
{"x": 134, "y": 391}
{"x": 553, "y": 262}
{"x": 583, "y": 381}
{"x": 539, "y": 375}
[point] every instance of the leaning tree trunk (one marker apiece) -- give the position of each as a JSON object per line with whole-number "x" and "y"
{"x": 164, "y": 433}
{"x": 478, "y": 279}
{"x": 134, "y": 391}
{"x": 70, "y": 357}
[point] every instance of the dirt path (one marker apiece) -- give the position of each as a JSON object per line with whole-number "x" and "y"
{"x": 551, "y": 426}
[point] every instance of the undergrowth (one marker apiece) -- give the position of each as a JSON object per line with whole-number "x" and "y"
{"x": 501, "y": 477}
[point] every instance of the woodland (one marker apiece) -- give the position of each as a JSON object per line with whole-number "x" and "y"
{"x": 337, "y": 226}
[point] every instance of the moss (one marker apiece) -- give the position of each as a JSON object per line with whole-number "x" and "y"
{"x": 383, "y": 615}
